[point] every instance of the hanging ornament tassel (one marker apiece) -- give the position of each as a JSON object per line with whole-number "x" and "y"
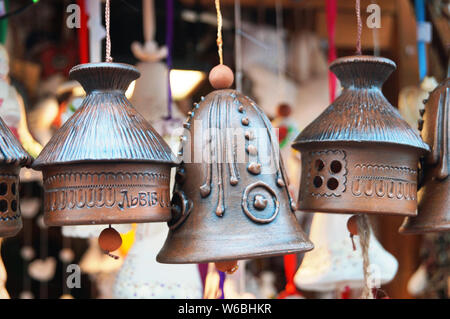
{"x": 364, "y": 240}
{"x": 109, "y": 240}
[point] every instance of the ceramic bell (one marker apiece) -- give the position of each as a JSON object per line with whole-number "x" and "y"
{"x": 106, "y": 164}
{"x": 333, "y": 264}
{"x": 359, "y": 155}
{"x": 12, "y": 158}
{"x": 230, "y": 198}
{"x": 141, "y": 277}
{"x": 434, "y": 195}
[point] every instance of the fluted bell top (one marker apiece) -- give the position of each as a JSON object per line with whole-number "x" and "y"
{"x": 362, "y": 70}
{"x": 104, "y": 76}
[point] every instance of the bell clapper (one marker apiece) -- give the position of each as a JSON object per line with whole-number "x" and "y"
{"x": 109, "y": 240}
{"x": 228, "y": 267}
{"x": 352, "y": 226}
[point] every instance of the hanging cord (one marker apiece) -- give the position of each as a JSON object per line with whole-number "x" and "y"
{"x": 108, "y": 36}
{"x": 238, "y": 44}
{"x": 169, "y": 44}
{"x": 359, "y": 26}
{"x": 364, "y": 240}
{"x": 219, "y": 31}
{"x": 279, "y": 28}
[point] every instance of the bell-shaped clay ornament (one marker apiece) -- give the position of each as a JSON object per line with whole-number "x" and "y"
{"x": 106, "y": 164}
{"x": 333, "y": 264}
{"x": 230, "y": 198}
{"x": 434, "y": 194}
{"x": 12, "y": 158}
{"x": 359, "y": 155}
{"x": 142, "y": 277}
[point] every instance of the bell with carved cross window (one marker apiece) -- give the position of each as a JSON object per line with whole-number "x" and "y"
{"x": 106, "y": 164}
{"x": 12, "y": 157}
{"x": 230, "y": 199}
{"x": 434, "y": 194}
{"x": 359, "y": 155}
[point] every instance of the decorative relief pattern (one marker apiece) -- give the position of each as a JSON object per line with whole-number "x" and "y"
{"x": 327, "y": 174}
{"x": 105, "y": 189}
{"x": 9, "y": 197}
{"x": 384, "y": 181}
{"x": 260, "y": 203}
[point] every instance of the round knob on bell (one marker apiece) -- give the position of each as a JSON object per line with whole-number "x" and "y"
{"x": 228, "y": 267}
{"x": 221, "y": 77}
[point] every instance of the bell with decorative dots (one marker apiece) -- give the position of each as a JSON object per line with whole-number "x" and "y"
{"x": 106, "y": 164}
{"x": 434, "y": 194}
{"x": 230, "y": 199}
{"x": 359, "y": 155}
{"x": 12, "y": 157}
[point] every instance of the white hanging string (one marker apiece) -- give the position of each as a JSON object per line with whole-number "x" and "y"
{"x": 108, "y": 36}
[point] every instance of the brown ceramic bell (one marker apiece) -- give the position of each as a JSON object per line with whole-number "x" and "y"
{"x": 106, "y": 164}
{"x": 12, "y": 157}
{"x": 230, "y": 199}
{"x": 434, "y": 195}
{"x": 359, "y": 155}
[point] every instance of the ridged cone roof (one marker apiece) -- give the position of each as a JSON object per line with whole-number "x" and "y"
{"x": 11, "y": 151}
{"x": 106, "y": 127}
{"x": 361, "y": 118}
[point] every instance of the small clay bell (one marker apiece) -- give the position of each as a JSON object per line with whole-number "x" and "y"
{"x": 359, "y": 155}
{"x": 233, "y": 202}
{"x": 434, "y": 195}
{"x": 106, "y": 164}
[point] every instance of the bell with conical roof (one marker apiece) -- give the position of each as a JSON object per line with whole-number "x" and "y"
{"x": 434, "y": 194}
{"x": 106, "y": 164}
{"x": 359, "y": 155}
{"x": 12, "y": 158}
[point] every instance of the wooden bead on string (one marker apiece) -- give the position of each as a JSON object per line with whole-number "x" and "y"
{"x": 109, "y": 240}
{"x": 221, "y": 77}
{"x": 228, "y": 267}
{"x": 352, "y": 226}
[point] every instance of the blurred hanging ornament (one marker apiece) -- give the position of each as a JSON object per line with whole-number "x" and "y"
{"x": 3, "y": 292}
{"x": 94, "y": 261}
{"x": 240, "y": 172}
{"x": 42, "y": 269}
{"x": 106, "y": 164}
{"x": 434, "y": 194}
{"x": 141, "y": 277}
{"x": 411, "y": 100}
{"x": 359, "y": 155}
{"x": 335, "y": 264}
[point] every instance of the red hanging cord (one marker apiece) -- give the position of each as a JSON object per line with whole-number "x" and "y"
{"x": 331, "y": 9}
{"x": 83, "y": 35}
{"x": 290, "y": 267}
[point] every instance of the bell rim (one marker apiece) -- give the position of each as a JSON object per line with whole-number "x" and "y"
{"x": 307, "y": 245}
{"x": 406, "y": 229}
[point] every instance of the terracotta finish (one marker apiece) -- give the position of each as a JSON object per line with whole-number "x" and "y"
{"x": 359, "y": 155}
{"x": 106, "y": 164}
{"x": 434, "y": 195}
{"x": 12, "y": 157}
{"x": 231, "y": 203}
